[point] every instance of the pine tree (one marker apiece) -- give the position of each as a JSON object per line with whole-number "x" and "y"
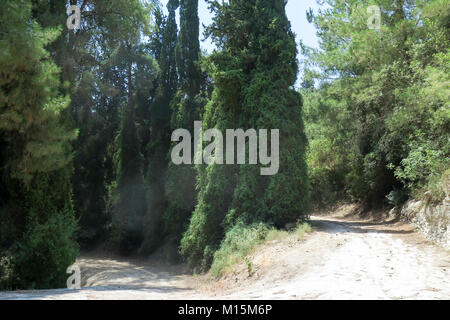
{"x": 38, "y": 224}
{"x": 253, "y": 74}
{"x": 388, "y": 140}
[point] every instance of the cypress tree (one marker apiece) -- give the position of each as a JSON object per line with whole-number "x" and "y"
{"x": 254, "y": 73}
{"x": 129, "y": 196}
{"x": 188, "y": 48}
{"x": 131, "y": 206}
{"x": 186, "y": 108}
{"x": 159, "y": 144}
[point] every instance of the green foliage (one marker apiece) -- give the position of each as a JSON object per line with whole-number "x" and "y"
{"x": 158, "y": 144}
{"x": 46, "y": 251}
{"x": 37, "y": 230}
{"x": 375, "y": 104}
{"x": 437, "y": 188}
{"x": 186, "y": 107}
{"x": 205, "y": 231}
{"x": 102, "y": 64}
{"x": 295, "y": 234}
{"x": 188, "y": 48}
{"x": 30, "y": 103}
{"x": 397, "y": 197}
{"x": 41, "y": 241}
{"x": 131, "y": 204}
{"x": 93, "y": 62}
{"x": 383, "y": 119}
{"x": 428, "y": 142}
{"x": 239, "y": 241}
{"x": 253, "y": 73}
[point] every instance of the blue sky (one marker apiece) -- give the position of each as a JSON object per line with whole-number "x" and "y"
{"x": 296, "y": 12}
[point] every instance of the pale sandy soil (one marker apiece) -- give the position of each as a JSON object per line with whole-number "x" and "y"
{"x": 344, "y": 258}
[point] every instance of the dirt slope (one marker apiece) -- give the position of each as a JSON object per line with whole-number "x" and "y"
{"x": 345, "y": 258}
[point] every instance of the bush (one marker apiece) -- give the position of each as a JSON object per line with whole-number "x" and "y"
{"x": 437, "y": 188}
{"x": 46, "y": 251}
{"x": 397, "y": 197}
{"x": 38, "y": 228}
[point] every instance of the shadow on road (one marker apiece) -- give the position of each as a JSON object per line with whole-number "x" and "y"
{"x": 335, "y": 226}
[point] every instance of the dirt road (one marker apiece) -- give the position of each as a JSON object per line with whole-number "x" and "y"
{"x": 344, "y": 258}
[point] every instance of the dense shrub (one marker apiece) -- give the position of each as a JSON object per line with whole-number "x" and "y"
{"x": 46, "y": 251}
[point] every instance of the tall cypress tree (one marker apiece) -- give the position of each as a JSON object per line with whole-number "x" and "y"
{"x": 188, "y": 48}
{"x": 186, "y": 107}
{"x": 254, "y": 73}
{"x": 131, "y": 206}
{"x": 159, "y": 144}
